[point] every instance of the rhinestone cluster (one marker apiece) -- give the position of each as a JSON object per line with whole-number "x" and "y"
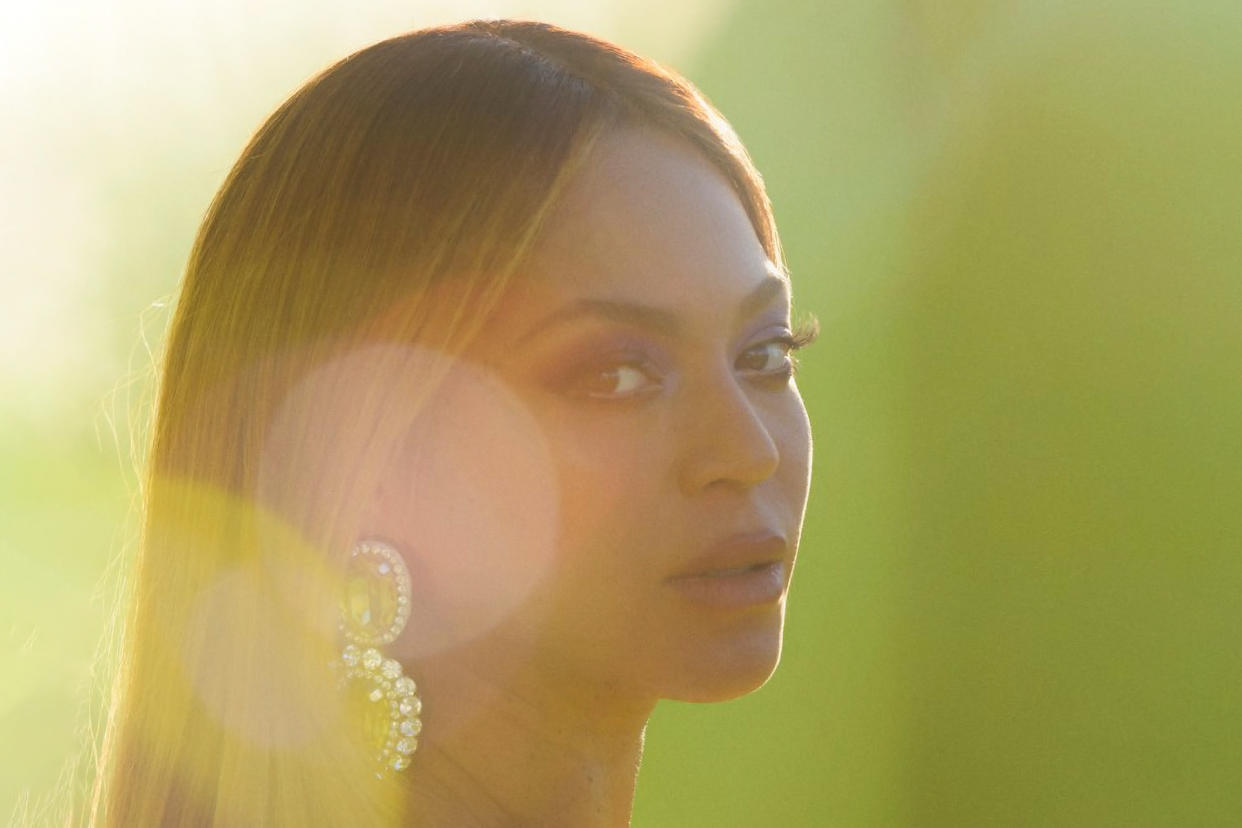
{"x": 392, "y": 697}
{"x": 376, "y": 599}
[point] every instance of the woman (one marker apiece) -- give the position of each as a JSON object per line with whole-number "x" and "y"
{"x": 477, "y": 436}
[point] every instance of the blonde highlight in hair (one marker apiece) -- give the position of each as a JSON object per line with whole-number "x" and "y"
{"x": 366, "y": 233}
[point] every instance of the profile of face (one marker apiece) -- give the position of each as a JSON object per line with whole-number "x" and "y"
{"x": 609, "y": 490}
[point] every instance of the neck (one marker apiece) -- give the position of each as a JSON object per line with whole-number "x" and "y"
{"x": 524, "y": 751}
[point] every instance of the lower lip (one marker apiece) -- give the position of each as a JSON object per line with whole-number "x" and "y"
{"x": 764, "y": 585}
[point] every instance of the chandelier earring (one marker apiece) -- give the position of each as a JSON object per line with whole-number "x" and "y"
{"x": 375, "y": 607}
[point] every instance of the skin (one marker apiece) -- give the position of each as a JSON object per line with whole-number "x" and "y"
{"x": 569, "y": 468}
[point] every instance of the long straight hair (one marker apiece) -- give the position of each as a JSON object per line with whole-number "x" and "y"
{"x": 374, "y": 218}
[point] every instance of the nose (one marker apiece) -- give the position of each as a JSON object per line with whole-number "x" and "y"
{"x": 726, "y": 441}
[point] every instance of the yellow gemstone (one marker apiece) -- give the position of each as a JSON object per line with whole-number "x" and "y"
{"x": 368, "y": 718}
{"x": 370, "y": 597}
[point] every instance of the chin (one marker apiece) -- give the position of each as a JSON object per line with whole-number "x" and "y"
{"x": 721, "y": 670}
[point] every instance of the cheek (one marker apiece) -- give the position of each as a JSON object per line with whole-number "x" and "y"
{"x": 618, "y": 525}
{"x": 609, "y": 469}
{"x": 480, "y": 510}
{"x": 615, "y": 526}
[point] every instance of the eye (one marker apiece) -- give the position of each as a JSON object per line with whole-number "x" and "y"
{"x": 774, "y": 358}
{"x": 768, "y": 358}
{"x": 614, "y": 380}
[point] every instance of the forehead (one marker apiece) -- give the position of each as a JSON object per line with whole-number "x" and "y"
{"x": 647, "y": 219}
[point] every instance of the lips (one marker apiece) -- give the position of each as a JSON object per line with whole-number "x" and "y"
{"x": 736, "y": 556}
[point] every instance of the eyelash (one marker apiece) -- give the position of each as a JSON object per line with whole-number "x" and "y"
{"x": 803, "y": 335}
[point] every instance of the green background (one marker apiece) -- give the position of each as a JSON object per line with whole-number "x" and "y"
{"x": 1020, "y": 224}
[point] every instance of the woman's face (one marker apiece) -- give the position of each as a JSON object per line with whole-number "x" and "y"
{"x": 614, "y": 487}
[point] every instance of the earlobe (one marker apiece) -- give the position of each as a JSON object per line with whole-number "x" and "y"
{"x": 371, "y": 522}
{"x": 380, "y": 515}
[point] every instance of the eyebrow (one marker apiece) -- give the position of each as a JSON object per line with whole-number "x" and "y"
{"x": 657, "y": 320}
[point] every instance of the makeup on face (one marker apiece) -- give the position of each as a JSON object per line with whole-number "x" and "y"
{"x": 745, "y": 569}
{"x": 619, "y": 351}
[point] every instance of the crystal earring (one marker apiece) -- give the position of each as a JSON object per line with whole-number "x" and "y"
{"x": 375, "y": 607}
